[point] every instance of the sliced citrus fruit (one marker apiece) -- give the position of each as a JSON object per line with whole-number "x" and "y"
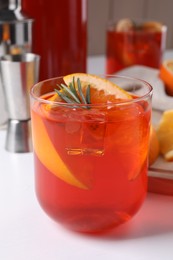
{"x": 47, "y": 154}
{"x": 138, "y": 152}
{"x": 165, "y": 134}
{"x": 166, "y": 74}
{"x": 152, "y": 26}
{"x": 102, "y": 90}
{"x": 154, "y": 148}
{"x": 124, "y": 25}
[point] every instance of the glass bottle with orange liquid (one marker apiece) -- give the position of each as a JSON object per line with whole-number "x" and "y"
{"x": 59, "y": 35}
{"x": 91, "y": 158}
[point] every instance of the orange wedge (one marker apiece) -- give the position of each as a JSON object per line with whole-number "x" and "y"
{"x": 166, "y": 74}
{"x": 47, "y": 154}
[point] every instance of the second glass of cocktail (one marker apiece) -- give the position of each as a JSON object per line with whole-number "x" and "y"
{"x": 90, "y": 141}
{"x": 134, "y": 43}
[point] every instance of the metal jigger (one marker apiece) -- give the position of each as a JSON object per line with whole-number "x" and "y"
{"x": 15, "y": 38}
{"x": 18, "y": 74}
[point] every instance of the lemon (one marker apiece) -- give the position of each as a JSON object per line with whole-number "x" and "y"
{"x": 165, "y": 135}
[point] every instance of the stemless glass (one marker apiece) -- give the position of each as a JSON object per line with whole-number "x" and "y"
{"x": 134, "y": 43}
{"x": 91, "y": 162}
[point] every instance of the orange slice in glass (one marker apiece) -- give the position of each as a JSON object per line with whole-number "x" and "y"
{"x": 166, "y": 74}
{"x": 49, "y": 157}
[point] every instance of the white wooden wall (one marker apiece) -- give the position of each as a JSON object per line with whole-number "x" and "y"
{"x": 101, "y": 11}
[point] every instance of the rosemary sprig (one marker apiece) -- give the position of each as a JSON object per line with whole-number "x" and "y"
{"x": 74, "y": 95}
{"x": 88, "y": 95}
{"x": 67, "y": 91}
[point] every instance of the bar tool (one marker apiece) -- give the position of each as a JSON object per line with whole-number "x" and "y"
{"x": 18, "y": 74}
{"x": 15, "y": 38}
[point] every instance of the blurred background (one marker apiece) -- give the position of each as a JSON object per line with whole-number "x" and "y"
{"x": 101, "y": 11}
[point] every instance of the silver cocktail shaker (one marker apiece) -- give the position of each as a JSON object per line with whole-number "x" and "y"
{"x": 19, "y": 73}
{"x": 15, "y": 38}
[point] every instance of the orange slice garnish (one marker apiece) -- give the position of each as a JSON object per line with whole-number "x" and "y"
{"x": 166, "y": 74}
{"x": 124, "y": 25}
{"x": 102, "y": 90}
{"x": 152, "y": 26}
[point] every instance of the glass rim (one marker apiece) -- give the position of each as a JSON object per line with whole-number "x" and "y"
{"x": 107, "y": 76}
{"x": 112, "y": 22}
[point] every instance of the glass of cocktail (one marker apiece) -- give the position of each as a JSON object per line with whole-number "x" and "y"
{"x": 90, "y": 141}
{"x": 134, "y": 43}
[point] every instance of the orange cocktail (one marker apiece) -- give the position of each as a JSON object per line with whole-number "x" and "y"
{"x": 91, "y": 158}
{"x": 134, "y": 43}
